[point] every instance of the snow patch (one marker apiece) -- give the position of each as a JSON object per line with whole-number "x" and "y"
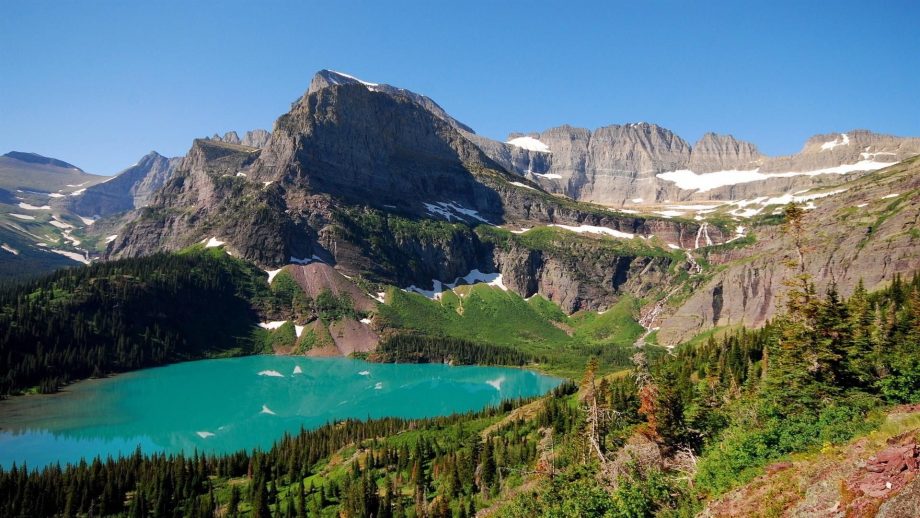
{"x": 637, "y": 200}
{"x": 591, "y": 229}
{"x": 204, "y": 435}
{"x": 87, "y": 221}
{"x": 888, "y": 197}
{"x": 24, "y": 205}
{"x": 688, "y": 180}
{"x": 298, "y": 330}
{"x": 55, "y": 195}
{"x": 474, "y": 277}
{"x": 24, "y": 216}
{"x": 861, "y": 205}
{"x": 519, "y": 184}
{"x": 365, "y": 83}
{"x": 669, "y": 213}
{"x": 271, "y": 373}
{"x": 548, "y": 176}
{"x": 451, "y": 210}
{"x": 272, "y": 274}
{"x": 365, "y": 321}
{"x": 272, "y": 325}
{"x": 72, "y": 255}
{"x": 111, "y": 238}
{"x": 844, "y": 140}
{"x": 9, "y": 249}
{"x": 380, "y": 297}
{"x": 752, "y": 207}
{"x": 213, "y": 242}
{"x": 529, "y": 143}
{"x": 870, "y": 156}
{"x": 78, "y": 192}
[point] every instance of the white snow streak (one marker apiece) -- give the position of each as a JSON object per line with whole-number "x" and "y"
{"x": 591, "y": 229}
{"x": 843, "y": 141}
{"x": 529, "y": 143}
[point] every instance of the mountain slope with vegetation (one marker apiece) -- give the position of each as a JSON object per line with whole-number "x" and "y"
{"x": 680, "y": 435}
{"x": 125, "y": 315}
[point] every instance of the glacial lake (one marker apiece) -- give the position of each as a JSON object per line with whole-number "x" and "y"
{"x": 221, "y": 406}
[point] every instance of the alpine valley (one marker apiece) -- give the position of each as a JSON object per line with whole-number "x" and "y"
{"x": 728, "y": 333}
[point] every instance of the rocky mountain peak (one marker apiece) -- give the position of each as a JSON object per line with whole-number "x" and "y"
{"x": 352, "y": 142}
{"x": 714, "y": 152}
{"x": 257, "y": 138}
{"x": 329, "y": 78}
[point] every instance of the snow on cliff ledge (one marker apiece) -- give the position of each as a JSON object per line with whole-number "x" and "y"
{"x": 529, "y": 143}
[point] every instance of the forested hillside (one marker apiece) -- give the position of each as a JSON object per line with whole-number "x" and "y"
{"x": 669, "y": 439}
{"x": 124, "y": 315}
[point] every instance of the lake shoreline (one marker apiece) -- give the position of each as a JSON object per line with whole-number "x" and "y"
{"x": 220, "y": 406}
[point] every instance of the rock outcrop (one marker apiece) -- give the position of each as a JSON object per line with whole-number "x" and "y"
{"x": 257, "y": 138}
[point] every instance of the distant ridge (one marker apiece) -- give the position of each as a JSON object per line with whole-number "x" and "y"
{"x": 35, "y": 158}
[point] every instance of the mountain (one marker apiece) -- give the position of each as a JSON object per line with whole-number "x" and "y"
{"x": 326, "y": 78}
{"x": 371, "y": 180}
{"x": 642, "y": 164}
{"x": 35, "y": 158}
{"x": 48, "y": 176}
{"x": 129, "y": 189}
{"x": 256, "y": 138}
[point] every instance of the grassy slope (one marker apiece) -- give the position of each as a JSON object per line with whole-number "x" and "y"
{"x": 481, "y": 313}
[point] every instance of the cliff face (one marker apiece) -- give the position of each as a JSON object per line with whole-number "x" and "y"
{"x": 867, "y": 233}
{"x": 722, "y": 153}
{"x": 620, "y": 165}
{"x": 257, "y": 138}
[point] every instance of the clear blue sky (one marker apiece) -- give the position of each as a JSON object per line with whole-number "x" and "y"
{"x": 100, "y": 83}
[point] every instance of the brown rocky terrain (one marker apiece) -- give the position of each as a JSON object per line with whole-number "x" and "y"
{"x": 873, "y": 476}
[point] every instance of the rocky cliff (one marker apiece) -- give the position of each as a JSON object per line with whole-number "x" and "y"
{"x": 257, "y": 138}
{"x": 643, "y": 164}
{"x": 866, "y": 233}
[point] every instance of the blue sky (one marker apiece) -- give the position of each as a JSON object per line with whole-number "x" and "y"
{"x": 101, "y": 83}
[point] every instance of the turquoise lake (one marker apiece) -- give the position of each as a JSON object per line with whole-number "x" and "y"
{"x": 220, "y": 406}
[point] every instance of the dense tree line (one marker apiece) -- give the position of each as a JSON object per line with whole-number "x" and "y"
{"x": 123, "y": 315}
{"x": 817, "y": 374}
{"x": 415, "y": 348}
